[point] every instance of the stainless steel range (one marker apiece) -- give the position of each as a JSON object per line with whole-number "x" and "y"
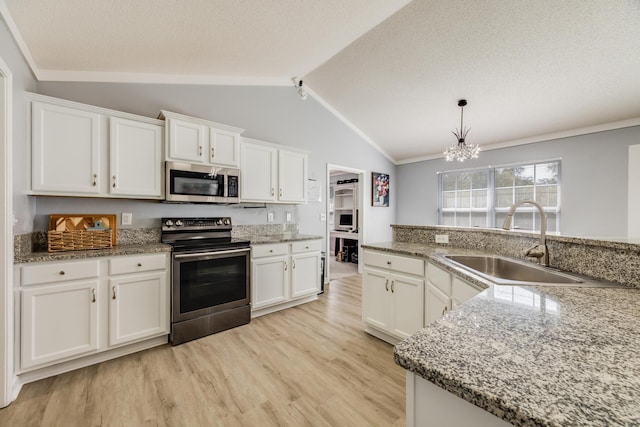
{"x": 210, "y": 277}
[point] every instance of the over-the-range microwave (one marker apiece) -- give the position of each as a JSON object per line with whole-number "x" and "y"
{"x": 188, "y": 182}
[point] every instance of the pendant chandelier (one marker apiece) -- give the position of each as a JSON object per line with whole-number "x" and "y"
{"x": 461, "y": 151}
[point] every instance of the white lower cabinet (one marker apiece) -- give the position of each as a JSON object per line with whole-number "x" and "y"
{"x": 284, "y": 275}
{"x": 68, "y": 307}
{"x": 58, "y": 321}
{"x": 392, "y": 295}
{"x": 444, "y": 292}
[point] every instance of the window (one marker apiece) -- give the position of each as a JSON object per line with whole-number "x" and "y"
{"x": 482, "y": 197}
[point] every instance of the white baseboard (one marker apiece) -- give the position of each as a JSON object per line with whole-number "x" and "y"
{"x": 273, "y": 308}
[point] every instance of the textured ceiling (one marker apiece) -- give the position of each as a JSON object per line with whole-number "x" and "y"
{"x": 392, "y": 71}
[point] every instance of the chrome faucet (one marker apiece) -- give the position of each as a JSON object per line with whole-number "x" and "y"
{"x": 539, "y": 251}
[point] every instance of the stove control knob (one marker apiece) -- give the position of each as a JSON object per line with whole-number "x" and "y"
{"x": 179, "y": 223}
{"x": 226, "y": 221}
{"x": 168, "y": 223}
{"x": 219, "y": 222}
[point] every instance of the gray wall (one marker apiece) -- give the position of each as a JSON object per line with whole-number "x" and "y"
{"x": 23, "y": 206}
{"x": 274, "y": 114}
{"x": 593, "y": 181}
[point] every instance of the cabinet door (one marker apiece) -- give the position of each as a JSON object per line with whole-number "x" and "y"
{"x": 376, "y": 298}
{"x": 408, "y": 305}
{"x": 305, "y": 274}
{"x": 224, "y": 147}
{"x": 138, "y": 307}
{"x": 65, "y": 150}
{"x": 259, "y": 173}
{"x": 58, "y": 322}
{"x": 436, "y": 304}
{"x": 135, "y": 158}
{"x": 186, "y": 140}
{"x": 269, "y": 281}
{"x": 292, "y": 176}
{"x": 461, "y": 291}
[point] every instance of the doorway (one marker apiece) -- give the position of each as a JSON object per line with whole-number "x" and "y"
{"x": 345, "y": 221}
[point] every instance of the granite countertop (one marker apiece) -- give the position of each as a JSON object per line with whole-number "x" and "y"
{"x": 280, "y": 238}
{"x": 533, "y": 355}
{"x": 73, "y": 255}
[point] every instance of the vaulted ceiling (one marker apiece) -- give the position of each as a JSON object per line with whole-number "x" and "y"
{"x": 392, "y": 69}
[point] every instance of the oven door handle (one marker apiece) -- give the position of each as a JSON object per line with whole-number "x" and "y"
{"x": 199, "y": 254}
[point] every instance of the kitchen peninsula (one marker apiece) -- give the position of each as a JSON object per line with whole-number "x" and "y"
{"x": 528, "y": 355}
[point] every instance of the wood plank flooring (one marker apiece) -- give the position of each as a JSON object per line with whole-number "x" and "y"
{"x": 311, "y": 365}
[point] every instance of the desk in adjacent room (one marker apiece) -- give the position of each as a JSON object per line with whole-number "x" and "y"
{"x": 339, "y": 237}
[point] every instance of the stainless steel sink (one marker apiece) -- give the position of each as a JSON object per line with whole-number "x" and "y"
{"x": 505, "y": 271}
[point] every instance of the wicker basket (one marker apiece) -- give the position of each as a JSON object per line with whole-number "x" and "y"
{"x": 78, "y": 240}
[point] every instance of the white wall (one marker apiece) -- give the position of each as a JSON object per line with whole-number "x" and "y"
{"x": 593, "y": 181}
{"x": 274, "y": 114}
{"x": 633, "y": 228}
{"x": 23, "y": 79}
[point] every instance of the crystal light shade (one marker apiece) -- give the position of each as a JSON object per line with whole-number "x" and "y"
{"x": 462, "y": 151}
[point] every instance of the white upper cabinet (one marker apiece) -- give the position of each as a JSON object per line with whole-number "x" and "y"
{"x": 259, "y": 169}
{"x": 83, "y": 150}
{"x": 224, "y": 147}
{"x": 65, "y": 150}
{"x": 135, "y": 158}
{"x": 194, "y": 140}
{"x": 272, "y": 173}
{"x": 185, "y": 141}
{"x": 292, "y": 176}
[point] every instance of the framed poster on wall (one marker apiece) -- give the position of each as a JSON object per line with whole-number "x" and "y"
{"x": 379, "y": 189}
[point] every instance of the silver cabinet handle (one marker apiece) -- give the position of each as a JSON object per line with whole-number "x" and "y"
{"x": 273, "y": 191}
{"x": 95, "y": 179}
{"x": 281, "y": 192}
{"x": 62, "y": 273}
{"x": 285, "y": 266}
{"x": 114, "y": 181}
{"x": 200, "y": 150}
{"x": 444, "y": 311}
{"x": 114, "y": 293}
{"x": 213, "y": 153}
{"x": 93, "y": 295}
{"x": 293, "y": 264}
{"x": 388, "y": 262}
{"x": 392, "y": 283}
{"x": 139, "y": 264}
{"x": 386, "y": 285}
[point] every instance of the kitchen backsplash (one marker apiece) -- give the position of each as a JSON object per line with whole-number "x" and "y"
{"x": 25, "y": 244}
{"x": 605, "y": 260}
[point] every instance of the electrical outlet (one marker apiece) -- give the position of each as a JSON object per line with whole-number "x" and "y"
{"x": 269, "y": 216}
{"x": 323, "y": 217}
{"x": 442, "y": 238}
{"x": 288, "y": 216}
{"x": 127, "y": 218}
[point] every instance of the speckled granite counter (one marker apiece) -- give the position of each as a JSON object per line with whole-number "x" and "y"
{"x": 72, "y": 255}
{"x": 533, "y": 356}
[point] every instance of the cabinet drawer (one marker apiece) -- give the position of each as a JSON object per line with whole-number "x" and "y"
{"x": 258, "y": 251}
{"x": 402, "y": 264}
{"x": 305, "y": 246}
{"x": 54, "y": 272}
{"x": 137, "y": 264}
{"x": 440, "y": 278}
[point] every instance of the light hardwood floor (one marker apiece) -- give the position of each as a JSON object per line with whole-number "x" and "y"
{"x": 312, "y": 365}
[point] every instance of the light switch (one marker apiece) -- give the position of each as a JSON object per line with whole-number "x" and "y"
{"x": 323, "y": 217}
{"x": 288, "y": 216}
{"x": 269, "y": 216}
{"x": 127, "y": 218}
